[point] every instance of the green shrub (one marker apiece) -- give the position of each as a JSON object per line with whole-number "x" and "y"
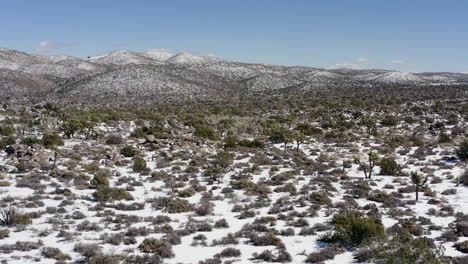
{"x": 230, "y": 141}
{"x": 223, "y": 160}
{"x": 139, "y": 133}
{"x": 7, "y": 141}
{"x": 70, "y": 127}
{"x": 355, "y": 230}
{"x": 256, "y": 143}
{"x": 9, "y": 216}
{"x": 139, "y": 165}
{"x": 22, "y": 219}
{"x": 107, "y": 194}
{"x": 172, "y": 205}
{"x": 4, "y": 183}
{"x": 6, "y": 130}
{"x": 444, "y": 138}
{"x": 128, "y": 151}
{"x": 205, "y": 132}
{"x": 22, "y": 166}
{"x": 404, "y": 249}
{"x": 99, "y": 181}
{"x": 30, "y": 141}
{"x": 389, "y": 166}
{"x": 51, "y": 138}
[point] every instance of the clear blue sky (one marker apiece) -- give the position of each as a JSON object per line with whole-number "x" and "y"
{"x": 409, "y": 35}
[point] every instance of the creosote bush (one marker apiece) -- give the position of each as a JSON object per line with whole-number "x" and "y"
{"x": 388, "y": 166}
{"x": 128, "y": 151}
{"x": 108, "y": 194}
{"x": 354, "y": 230}
{"x": 205, "y": 132}
{"x": 404, "y": 249}
{"x": 139, "y": 165}
{"x": 99, "y": 182}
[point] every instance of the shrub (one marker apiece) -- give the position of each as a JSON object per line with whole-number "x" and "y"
{"x": 229, "y": 253}
{"x": 30, "y": 141}
{"x": 462, "y": 150}
{"x": 87, "y": 250}
{"x": 256, "y": 143}
{"x": 223, "y": 160}
{"x": 99, "y": 182}
{"x": 403, "y": 248}
{"x": 205, "y": 132}
{"x": 6, "y": 130}
{"x": 325, "y": 254}
{"x": 355, "y": 230}
{"x": 9, "y": 216}
{"x": 444, "y": 138}
{"x": 114, "y": 139}
{"x": 464, "y": 177}
{"x": 4, "y": 233}
{"x": 172, "y": 205}
{"x": 7, "y": 141}
{"x": 161, "y": 248}
{"x": 51, "y": 138}
{"x": 462, "y": 246}
{"x": 103, "y": 259}
{"x": 4, "y": 183}
{"x": 55, "y": 253}
{"x": 230, "y": 141}
{"x": 388, "y": 166}
{"x": 178, "y": 205}
{"x": 128, "y": 151}
{"x": 22, "y": 166}
{"x": 107, "y": 194}
{"x": 268, "y": 239}
{"x": 139, "y": 165}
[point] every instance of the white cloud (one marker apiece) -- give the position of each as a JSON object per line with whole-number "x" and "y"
{"x": 363, "y": 60}
{"x": 397, "y": 61}
{"x": 347, "y": 65}
{"x": 47, "y": 46}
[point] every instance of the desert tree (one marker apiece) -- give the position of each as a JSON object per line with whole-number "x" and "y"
{"x": 419, "y": 180}
{"x": 367, "y": 167}
{"x": 70, "y": 127}
{"x": 299, "y": 138}
{"x": 370, "y": 124}
{"x": 57, "y": 153}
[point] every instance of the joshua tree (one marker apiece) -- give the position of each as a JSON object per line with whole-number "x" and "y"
{"x": 370, "y": 125}
{"x": 373, "y": 159}
{"x": 299, "y": 138}
{"x": 56, "y": 155}
{"x": 418, "y": 180}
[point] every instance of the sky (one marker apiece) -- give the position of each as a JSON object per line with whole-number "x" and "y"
{"x": 405, "y": 35}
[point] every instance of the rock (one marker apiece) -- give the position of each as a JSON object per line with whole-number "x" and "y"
{"x": 150, "y": 139}
{"x": 10, "y": 150}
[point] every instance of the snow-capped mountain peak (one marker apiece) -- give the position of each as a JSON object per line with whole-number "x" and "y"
{"x": 158, "y": 54}
{"x": 189, "y": 58}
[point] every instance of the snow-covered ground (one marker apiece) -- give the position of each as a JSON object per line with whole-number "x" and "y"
{"x": 60, "y": 218}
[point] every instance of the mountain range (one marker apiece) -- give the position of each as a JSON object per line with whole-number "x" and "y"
{"x": 161, "y": 74}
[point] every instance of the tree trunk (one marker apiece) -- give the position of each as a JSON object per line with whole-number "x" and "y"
{"x": 417, "y": 192}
